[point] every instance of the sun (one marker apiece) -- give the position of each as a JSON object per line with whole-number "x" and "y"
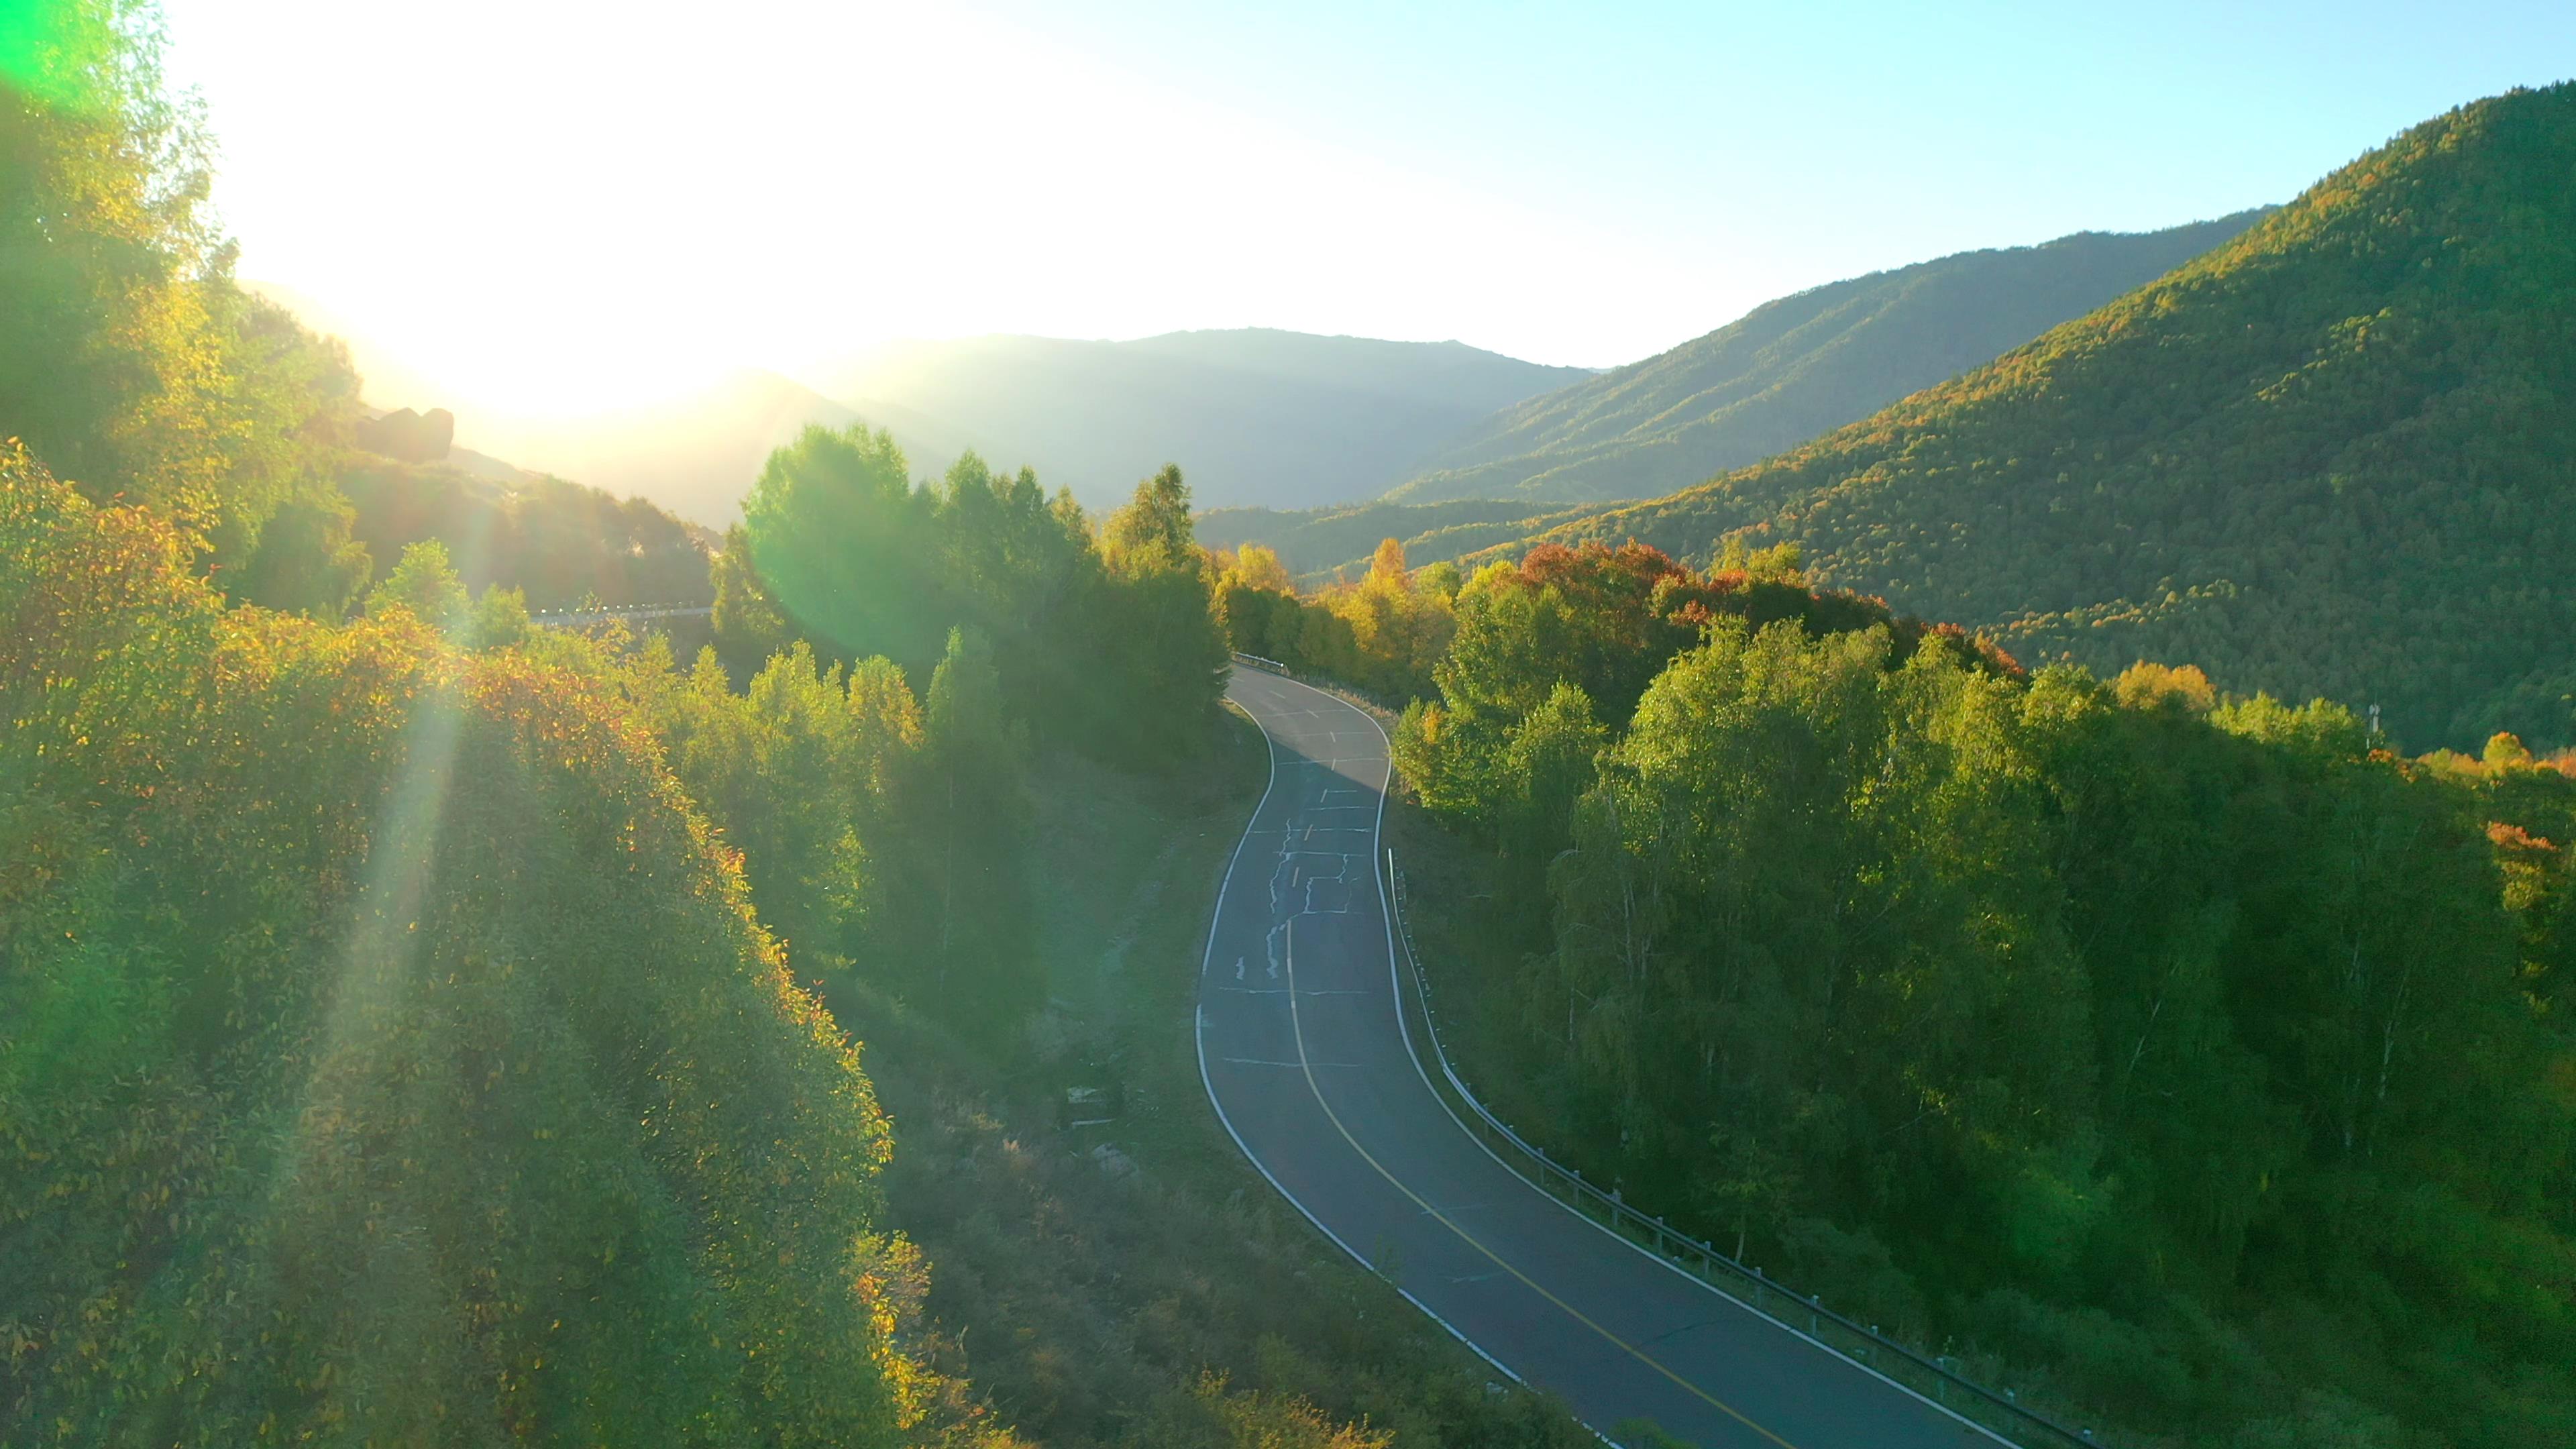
{"x": 510, "y": 351}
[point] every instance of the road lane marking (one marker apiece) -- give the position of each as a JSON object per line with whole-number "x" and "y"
{"x": 1275, "y": 738}
{"x": 1198, "y": 1042}
{"x": 1297, "y": 1028}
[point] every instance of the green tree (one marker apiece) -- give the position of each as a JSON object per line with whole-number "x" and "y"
{"x": 423, "y": 584}
{"x": 128, "y": 357}
{"x": 842, "y": 544}
{"x": 748, "y": 625}
{"x": 973, "y": 830}
{"x": 1163, "y": 646}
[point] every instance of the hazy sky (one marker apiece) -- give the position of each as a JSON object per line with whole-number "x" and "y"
{"x": 574, "y": 203}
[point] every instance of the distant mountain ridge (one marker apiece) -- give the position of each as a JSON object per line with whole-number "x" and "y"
{"x": 1254, "y": 416}
{"x": 1795, "y": 368}
{"x": 2335, "y": 457}
{"x": 695, "y": 455}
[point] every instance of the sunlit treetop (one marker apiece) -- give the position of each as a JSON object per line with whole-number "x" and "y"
{"x": 64, "y": 53}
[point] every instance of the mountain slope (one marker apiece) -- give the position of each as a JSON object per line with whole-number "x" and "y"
{"x": 696, "y": 455}
{"x": 1253, "y": 416}
{"x": 1794, "y": 368}
{"x": 1316, "y": 540}
{"x": 2332, "y": 457}
{"x": 557, "y": 542}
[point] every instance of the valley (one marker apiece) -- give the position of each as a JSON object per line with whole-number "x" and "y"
{"x": 746, "y": 768}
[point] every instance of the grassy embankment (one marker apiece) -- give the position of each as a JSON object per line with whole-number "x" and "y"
{"x": 1087, "y": 1278}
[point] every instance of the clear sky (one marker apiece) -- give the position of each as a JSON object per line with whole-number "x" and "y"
{"x": 583, "y": 203}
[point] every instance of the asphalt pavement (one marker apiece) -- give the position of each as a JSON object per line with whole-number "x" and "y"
{"x": 1313, "y": 1073}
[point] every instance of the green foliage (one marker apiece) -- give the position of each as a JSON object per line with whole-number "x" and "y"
{"x": 974, "y": 824}
{"x": 2329, "y": 458}
{"x": 386, "y": 1052}
{"x": 423, "y": 584}
{"x": 133, "y": 364}
{"x": 884, "y": 840}
{"x": 1792, "y": 369}
{"x": 888, "y": 839}
{"x": 798, "y": 773}
{"x": 1382, "y": 634}
{"x": 1153, "y": 531}
{"x": 128, "y": 358}
{"x": 1093, "y": 1291}
{"x": 837, "y": 536}
{"x": 2179, "y": 1046}
{"x": 309, "y": 560}
{"x": 1158, "y": 633}
{"x": 1572, "y": 636}
{"x": 1315, "y": 543}
{"x": 748, "y": 625}
{"x": 1107, "y": 638}
{"x": 1207, "y": 1417}
{"x": 556, "y": 542}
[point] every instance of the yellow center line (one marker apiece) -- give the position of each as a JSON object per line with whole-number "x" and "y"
{"x": 1298, "y": 1028}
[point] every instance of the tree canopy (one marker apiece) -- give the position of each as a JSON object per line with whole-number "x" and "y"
{"x": 2160, "y": 1040}
{"x": 390, "y": 1053}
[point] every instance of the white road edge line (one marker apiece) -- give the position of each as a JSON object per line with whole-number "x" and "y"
{"x": 1198, "y": 1032}
{"x": 1395, "y": 981}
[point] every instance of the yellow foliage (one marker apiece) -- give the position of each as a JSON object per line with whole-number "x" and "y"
{"x": 2147, "y": 685}
{"x": 408, "y": 993}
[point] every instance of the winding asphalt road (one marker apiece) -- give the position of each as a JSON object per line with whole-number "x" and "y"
{"x": 1313, "y": 1073}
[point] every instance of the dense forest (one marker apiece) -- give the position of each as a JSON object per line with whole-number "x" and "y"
{"x": 2195, "y": 1054}
{"x": 1795, "y": 368}
{"x": 2329, "y": 458}
{"x": 390, "y": 1053}
{"x": 384, "y": 1039}
{"x": 900, "y": 644}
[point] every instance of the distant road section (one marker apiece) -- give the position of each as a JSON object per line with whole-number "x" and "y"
{"x": 1312, "y": 1071}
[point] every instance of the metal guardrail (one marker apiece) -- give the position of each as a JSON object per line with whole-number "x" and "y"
{"x": 1345, "y": 693}
{"x": 620, "y": 611}
{"x": 1932, "y": 1377}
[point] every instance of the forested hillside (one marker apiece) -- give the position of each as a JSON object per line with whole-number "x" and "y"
{"x": 129, "y": 359}
{"x": 556, "y": 542}
{"x": 388, "y": 1050}
{"x": 1318, "y": 540}
{"x": 1795, "y": 368}
{"x": 688, "y": 454}
{"x": 2185, "y": 1058}
{"x": 387, "y": 1042}
{"x": 2329, "y": 458}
